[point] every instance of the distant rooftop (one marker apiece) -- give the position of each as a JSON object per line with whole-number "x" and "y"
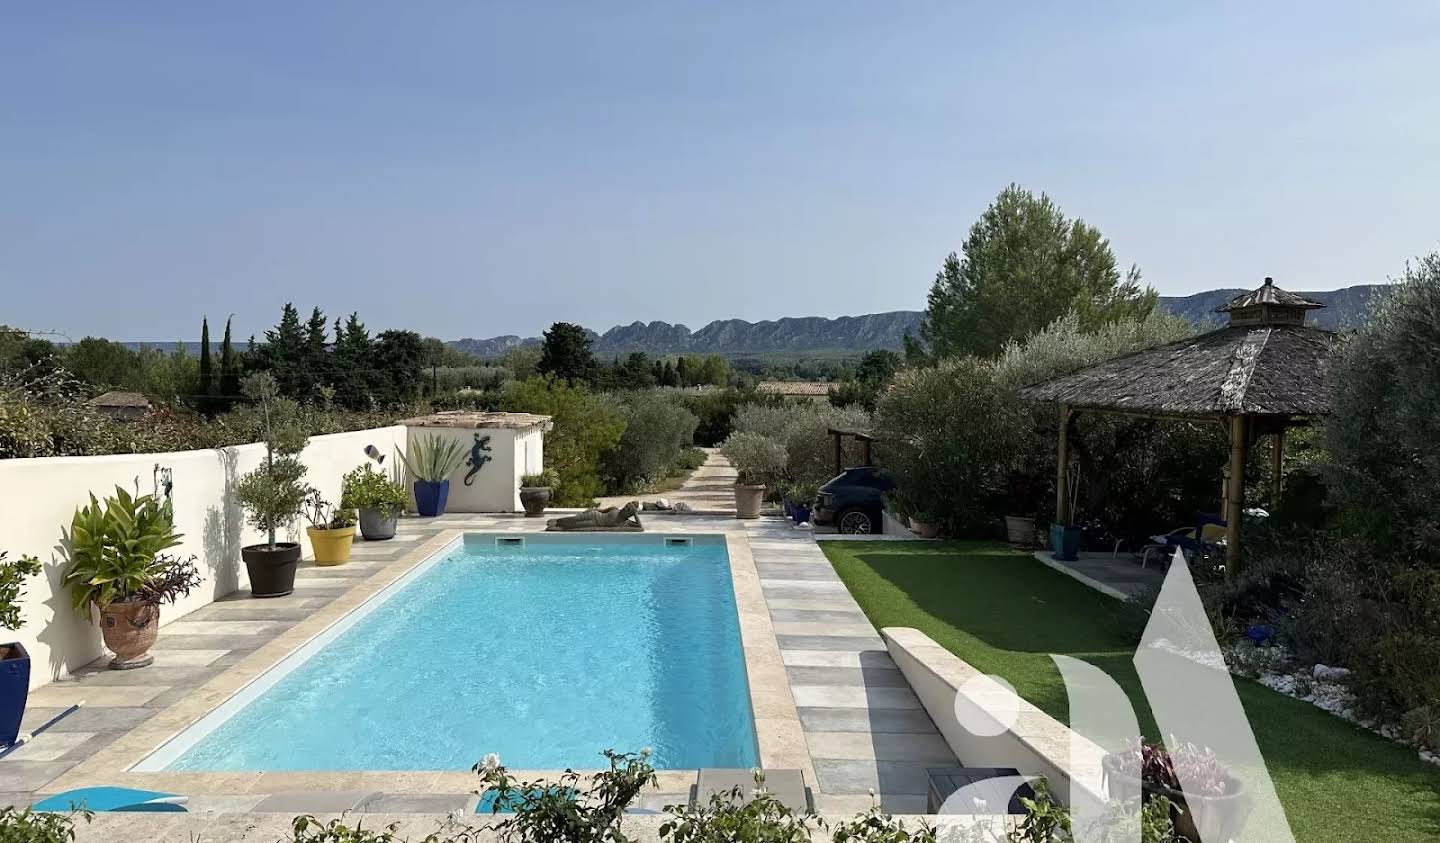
{"x": 806, "y": 388}
{"x": 115, "y": 398}
{"x": 470, "y": 419}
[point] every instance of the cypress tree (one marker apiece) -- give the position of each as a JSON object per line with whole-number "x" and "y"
{"x": 229, "y": 369}
{"x": 207, "y": 375}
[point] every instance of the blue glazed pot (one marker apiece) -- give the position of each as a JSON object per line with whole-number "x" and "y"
{"x": 14, "y": 692}
{"x": 1065, "y": 542}
{"x": 801, "y": 513}
{"x": 430, "y": 497}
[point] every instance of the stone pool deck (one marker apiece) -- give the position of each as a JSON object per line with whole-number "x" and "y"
{"x": 856, "y": 726}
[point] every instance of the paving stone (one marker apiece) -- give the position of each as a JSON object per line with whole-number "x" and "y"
{"x": 860, "y": 630}
{"x": 882, "y": 746}
{"x": 232, "y": 643}
{"x": 831, "y": 642}
{"x": 213, "y": 628}
{"x": 870, "y": 677}
{"x": 88, "y": 719}
{"x": 841, "y": 696}
{"x": 30, "y": 775}
{"x": 417, "y": 803}
{"x": 813, "y": 603}
{"x": 791, "y": 571}
{"x": 915, "y": 721}
{"x": 254, "y": 610}
{"x": 313, "y": 802}
{"x": 168, "y": 676}
{"x": 49, "y": 746}
{"x": 844, "y": 617}
{"x": 836, "y": 658}
{"x": 849, "y": 776}
{"x": 65, "y": 694}
{"x": 17, "y": 799}
{"x": 186, "y": 658}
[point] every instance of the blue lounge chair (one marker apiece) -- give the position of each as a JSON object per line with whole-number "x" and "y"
{"x": 101, "y": 799}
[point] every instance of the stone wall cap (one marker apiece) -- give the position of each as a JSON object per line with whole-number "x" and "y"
{"x": 473, "y": 420}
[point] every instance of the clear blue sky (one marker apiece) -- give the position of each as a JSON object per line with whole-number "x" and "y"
{"x": 468, "y": 169}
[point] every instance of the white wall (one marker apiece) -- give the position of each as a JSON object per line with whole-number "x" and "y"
{"x": 39, "y": 496}
{"x": 496, "y": 486}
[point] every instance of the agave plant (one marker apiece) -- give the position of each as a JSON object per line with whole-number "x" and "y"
{"x": 433, "y": 458}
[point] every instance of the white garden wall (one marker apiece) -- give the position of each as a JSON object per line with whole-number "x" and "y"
{"x": 39, "y": 496}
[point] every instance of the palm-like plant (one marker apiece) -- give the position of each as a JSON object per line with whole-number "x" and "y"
{"x": 433, "y": 458}
{"x": 115, "y": 548}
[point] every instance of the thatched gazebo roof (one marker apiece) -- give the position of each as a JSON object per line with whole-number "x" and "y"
{"x": 1256, "y": 375}
{"x": 1271, "y": 370}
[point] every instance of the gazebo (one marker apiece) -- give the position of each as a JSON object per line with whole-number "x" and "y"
{"x": 1263, "y": 372}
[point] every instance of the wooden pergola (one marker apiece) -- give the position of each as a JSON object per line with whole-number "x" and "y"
{"x": 1265, "y": 371}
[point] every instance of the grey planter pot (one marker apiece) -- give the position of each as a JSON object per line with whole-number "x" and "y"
{"x": 534, "y": 499}
{"x": 378, "y": 524}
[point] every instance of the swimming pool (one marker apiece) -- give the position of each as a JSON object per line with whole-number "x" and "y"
{"x": 546, "y": 652}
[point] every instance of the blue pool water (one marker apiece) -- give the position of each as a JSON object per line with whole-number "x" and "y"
{"x": 546, "y": 655}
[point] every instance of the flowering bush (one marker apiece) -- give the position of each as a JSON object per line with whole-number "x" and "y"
{"x": 559, "y": 812}
{"x": 1187, "y": 765}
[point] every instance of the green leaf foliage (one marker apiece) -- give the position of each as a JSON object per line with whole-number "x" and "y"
{"x": 114, "y": 548}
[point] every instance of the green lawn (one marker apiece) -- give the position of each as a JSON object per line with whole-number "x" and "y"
{"x": 1005, "y": 613}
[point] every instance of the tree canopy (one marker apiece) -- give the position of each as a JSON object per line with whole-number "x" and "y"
{"x": 565, "y": 353}
{"x": 1026, "y": 264}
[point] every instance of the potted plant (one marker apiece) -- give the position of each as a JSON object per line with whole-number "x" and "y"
{"x": 432, "y": 459}
{"x": 800, "y": 499}
{"x": 1215, "y": 810}
{"x": 273, "y": 495}
{"x": 14, "y": 661}
{"x": 379, "y": 499}
{"x": 535, "y": 490}
{"x": 924, "y": 525}
{"x": 117, "y": 566}
{"x": 758, "y": 459}
{"x": 331, "y": 530}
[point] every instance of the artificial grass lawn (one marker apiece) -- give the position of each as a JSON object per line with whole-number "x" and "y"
{"x": 1005, "y": 613}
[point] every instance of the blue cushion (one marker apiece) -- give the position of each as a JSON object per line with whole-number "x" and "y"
{"x": 112, "y": 799}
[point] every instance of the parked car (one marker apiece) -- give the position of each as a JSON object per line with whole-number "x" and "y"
{"x": 853, "y": 502}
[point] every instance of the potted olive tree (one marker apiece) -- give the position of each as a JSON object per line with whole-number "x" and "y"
{"x": 758, "y": 460}
{"x": 14, "y": 661}
{"x": 331, "y": 530}
{"x": 119, "y": 569}
{"x": 535, "y": 491}
{"x": 432, "y": 459}
{"x": 273, "y": 495}
{"x": 379, "y": 500}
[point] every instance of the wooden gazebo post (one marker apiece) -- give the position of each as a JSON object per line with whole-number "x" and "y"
{"x": 1062, "y": 469}
{"x": 1235, "y": 492}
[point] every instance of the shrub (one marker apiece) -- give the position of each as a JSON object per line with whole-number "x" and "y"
{"x": 716, "y": 410}
{"x": 586, "y": 425}
{"x": 22, "y": 825}
{"x": 802, "y": 427}
{"x": 689, "y": 459}
{"x": 365, "y": 488}
{"x": 559, "y": 812}
{"x": 949, "y": 435}
{"x": 657, "y": 430}
{"x": 546, "y": 479}
{"x": 12, "y": 588}
{"x": 757, "y": 458}
{"x": 1384, "y": 432}
{"x": 433, "y": 458}
{"x": 732, "y": 816}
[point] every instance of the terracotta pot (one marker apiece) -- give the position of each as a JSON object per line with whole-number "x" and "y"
{"x": 331, "y": 547}
{"x": 924, "y": 529}
{"x": 129, "y": 629}
{"x": 534, "y": 499}
{"x": 748, "y": 499}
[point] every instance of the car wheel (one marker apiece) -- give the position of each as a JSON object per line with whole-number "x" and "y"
{"x": 855, "y": 522}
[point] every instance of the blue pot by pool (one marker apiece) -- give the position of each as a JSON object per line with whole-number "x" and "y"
{"x": 1065, "y": 542}
{"x": 14, "y": 691}
{"x": 430, "y": 497}
{"x": 801, "y": 512}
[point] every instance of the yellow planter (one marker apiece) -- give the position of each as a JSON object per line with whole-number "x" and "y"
{"x": 331, "y": 547}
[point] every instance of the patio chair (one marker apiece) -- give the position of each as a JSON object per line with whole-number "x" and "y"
{"x": 1208, "y": 534}
{"x": 101, "y": 799}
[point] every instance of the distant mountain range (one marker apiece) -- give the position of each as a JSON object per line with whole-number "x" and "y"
{"x": 1345, "y": 308}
